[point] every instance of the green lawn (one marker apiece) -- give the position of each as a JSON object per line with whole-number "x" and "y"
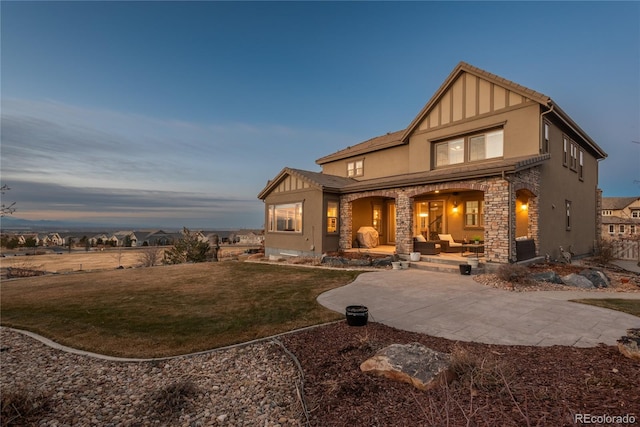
{"x": 631, "y": 306}
{"x": 169, "y": 310}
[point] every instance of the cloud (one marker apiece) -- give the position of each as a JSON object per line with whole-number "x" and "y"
{"x": 62, "y": 158}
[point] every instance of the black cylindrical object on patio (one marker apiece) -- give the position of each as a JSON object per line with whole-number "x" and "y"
{"x": 465, "y": 269}
{"x": 357, "y": 315}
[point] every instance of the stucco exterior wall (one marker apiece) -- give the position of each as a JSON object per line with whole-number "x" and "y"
{"x": 563, "y": 184}
{"x": 309, "y": 241}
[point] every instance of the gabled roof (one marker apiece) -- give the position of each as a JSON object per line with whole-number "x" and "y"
{"x": 402, "y": 137}
{"x": 317, "y": 180}
{"x": 461, "y": 68}
{"x": 617, "y": 203}
{"x": 389, "y": 140}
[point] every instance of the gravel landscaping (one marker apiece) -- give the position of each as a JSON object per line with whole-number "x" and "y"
{"x": 253, "y": 385}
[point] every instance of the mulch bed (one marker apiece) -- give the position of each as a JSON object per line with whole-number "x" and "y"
{"x": 496, "y": 385}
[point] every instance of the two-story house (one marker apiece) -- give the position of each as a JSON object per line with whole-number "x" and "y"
{"x": 620, "y": 217}
{"x": 485, "y": 157}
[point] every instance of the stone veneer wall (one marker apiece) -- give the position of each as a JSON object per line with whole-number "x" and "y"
{"x": 499, "y": 206}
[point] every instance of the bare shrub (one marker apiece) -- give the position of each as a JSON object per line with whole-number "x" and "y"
{"x": 605, "y": 252}
{"x": 173, "y": 399}
{"x": 514, "y": 273}
{"x": 476, "y": 372}
{"x": 23, "y": 407}
{"x": 150, "y": 256}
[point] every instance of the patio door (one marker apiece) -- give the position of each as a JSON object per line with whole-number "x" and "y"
{"x": 391, "y": 223}
{"x": 429, "y": 220}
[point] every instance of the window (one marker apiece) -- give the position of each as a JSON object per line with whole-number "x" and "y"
{"x": 473, "y": 213}
{"x": 581, "y": 165}
{"x": 606, "y": 212}
{"x": 568, "y": 210}
{"x": 472, "y": 148}
{"x": 355, "y": 168}
{"x": 286, "y": 217}
{"x": 612, "y": 229}
{"x": 621, "y": 229}
{"x": 545, "y": 147}
{"x": 332, "y": 217}
{"x": 635, "y": 214}
{"x": 565, "y": 148}
{"x": 574, "y": 156}
{"x": 632, "y": 229}
{"x": 450, "y": 153}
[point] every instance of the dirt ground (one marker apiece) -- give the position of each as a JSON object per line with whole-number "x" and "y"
{"x": 495, "y": 385}
{"x": 81, "y": 260}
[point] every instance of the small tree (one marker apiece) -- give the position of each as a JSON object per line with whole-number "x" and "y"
{"x": 187, "y": 249}
{"x": 6, "y": 209}
{"x": 150, "y": 256}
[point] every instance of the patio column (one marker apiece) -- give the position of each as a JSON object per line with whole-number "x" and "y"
{"x": 404, "y": 223}
{"x": 498, "y": 209}
{"x": 346, "y": 224}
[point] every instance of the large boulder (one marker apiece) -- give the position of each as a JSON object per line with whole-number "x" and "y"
{"x": 413, "y": 363}
{"x": 548, "y": 276}
{"x": 578, "y": 281}
{"x": 630, "y": 345}
{"x": 597, "y": 277}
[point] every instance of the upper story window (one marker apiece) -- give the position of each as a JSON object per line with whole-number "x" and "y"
{"x": 635, "y": 213}
{"x": 355, "y": 168}
{"x": 565, "y": 149}
{"x": 545, "y": 146}
{"x": 606, "y": 212}
{"x": 472, "y": 148}
{"x": 581, "y": 164}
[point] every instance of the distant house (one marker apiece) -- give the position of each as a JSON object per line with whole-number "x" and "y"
{"x": 249, "y": 237}
{"x": 485, "y": 157}
{"x": 126, "y": 238}
{"x": 620, "y": 217}
{"x": 160, "y": 238}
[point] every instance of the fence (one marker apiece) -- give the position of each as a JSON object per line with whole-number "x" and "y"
{"x": 626, "y": 249}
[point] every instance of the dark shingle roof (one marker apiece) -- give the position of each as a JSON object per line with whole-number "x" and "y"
{"x": 617, "y": 203}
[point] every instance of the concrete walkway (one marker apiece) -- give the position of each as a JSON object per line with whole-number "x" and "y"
{"x": 458, "y": 308}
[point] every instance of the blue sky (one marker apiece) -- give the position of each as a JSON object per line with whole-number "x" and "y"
{"x": 177, "y": 113}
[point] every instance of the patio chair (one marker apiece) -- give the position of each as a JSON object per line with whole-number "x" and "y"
{"x": 448, "y": 244}
{"x": 426, "y": 247}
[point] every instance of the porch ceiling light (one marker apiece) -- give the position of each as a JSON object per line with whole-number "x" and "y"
{"x": 524, "y": 206}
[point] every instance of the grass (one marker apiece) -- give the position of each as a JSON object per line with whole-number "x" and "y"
{"x": 631, "y": 306}
{"x": 169, "y": 310}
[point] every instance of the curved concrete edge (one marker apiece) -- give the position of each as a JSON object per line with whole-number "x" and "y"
{"x": 71, "y": 350}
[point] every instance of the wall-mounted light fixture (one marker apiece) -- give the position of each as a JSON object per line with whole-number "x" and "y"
{"x": 455, "y": 206}
{"x": 524, "y": 206}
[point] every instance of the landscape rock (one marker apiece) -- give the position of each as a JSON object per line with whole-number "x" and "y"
{"x": 597, "y": 277}
{"x": 382, "y": 262}
{"x": 547, "y": 276}
{"x": 413, "y": 363}
{"x": 578, "y": 281}
{"x": 333, "y": 260}
{"x": 630, "y": 345}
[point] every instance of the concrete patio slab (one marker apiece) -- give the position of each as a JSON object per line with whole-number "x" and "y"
{"x": 457, "y": 307}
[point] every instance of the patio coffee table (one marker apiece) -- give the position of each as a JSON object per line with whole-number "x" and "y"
{"x": 470, "y": 247}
